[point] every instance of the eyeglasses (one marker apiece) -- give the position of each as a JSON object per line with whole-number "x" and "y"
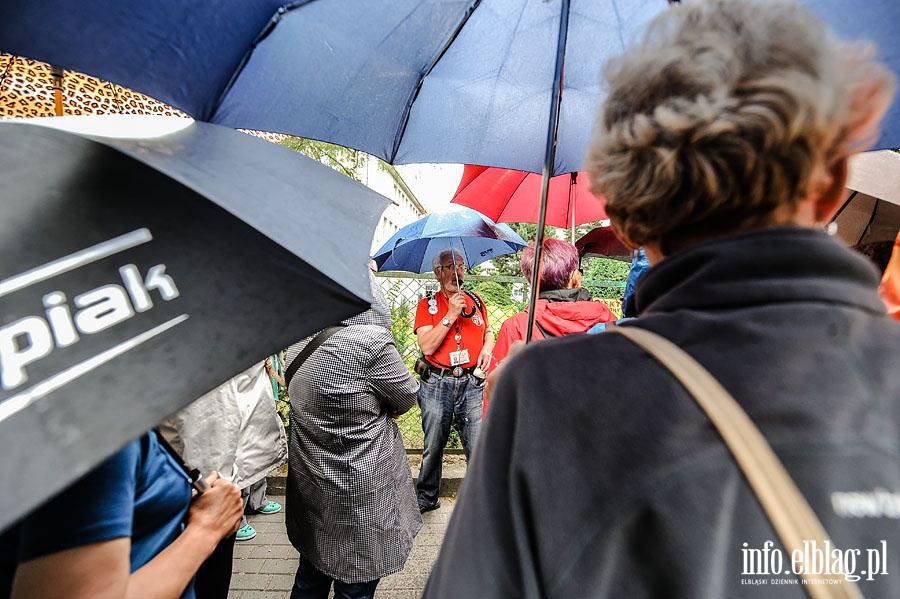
{"x": 459, "y": 267}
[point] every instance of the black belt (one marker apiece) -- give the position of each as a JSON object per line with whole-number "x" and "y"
{"x": 455, "y": 372}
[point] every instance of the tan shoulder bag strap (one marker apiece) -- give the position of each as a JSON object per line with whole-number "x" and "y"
{"x": 787, "y": 509}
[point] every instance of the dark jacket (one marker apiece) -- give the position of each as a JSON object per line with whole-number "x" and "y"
{"x": 598, "y": 476}
{"x": 351, "y": 505}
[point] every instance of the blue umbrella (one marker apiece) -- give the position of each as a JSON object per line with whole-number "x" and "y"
{"x": 465, "y": 81}
{"x": 474, "y": 236}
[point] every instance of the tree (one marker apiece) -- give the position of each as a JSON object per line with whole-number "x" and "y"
{"x": 508, "y": 265}
{"x": 344, "y": 160}
{"x": 604, "y": 269}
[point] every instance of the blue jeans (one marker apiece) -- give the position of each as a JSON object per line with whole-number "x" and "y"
{"x": 443, "y": 400}
{"x": 310, "y": 583}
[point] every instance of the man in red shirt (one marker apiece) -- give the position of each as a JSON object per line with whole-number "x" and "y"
{"x": 452, "y": 330}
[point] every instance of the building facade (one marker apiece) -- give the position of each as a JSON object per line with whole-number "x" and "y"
{"x": 404, "y": 208}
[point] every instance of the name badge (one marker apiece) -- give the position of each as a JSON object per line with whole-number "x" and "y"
{"x": 459, "y": 357}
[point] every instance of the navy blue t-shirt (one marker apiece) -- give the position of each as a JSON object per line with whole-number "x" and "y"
{"x": 139, "y": 492}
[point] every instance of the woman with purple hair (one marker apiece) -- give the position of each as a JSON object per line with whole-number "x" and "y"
{"x": 563, "y": 306}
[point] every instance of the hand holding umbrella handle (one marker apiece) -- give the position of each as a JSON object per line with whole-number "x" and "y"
{"x": 198, "y": 482}
{"x": 467, "y": 314}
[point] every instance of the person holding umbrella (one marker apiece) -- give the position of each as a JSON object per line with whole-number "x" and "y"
{"x": 722, "y": 149}
{"x": 128, "y": 528}
{"x": 456, "y": 340}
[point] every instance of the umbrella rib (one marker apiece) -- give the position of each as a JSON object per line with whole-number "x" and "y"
{"x": 845, "y": 204}
{"x": 279, "y": 14}
{"x": 9, "y": 66}
{"x": 415, "y": 92}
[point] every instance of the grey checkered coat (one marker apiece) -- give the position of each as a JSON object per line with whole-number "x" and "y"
{"x": 351, "y": 506}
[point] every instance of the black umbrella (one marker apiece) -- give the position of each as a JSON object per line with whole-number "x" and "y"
{"x": 137, "y": 274}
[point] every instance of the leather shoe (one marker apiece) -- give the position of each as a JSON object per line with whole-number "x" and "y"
{"x": 428, "y": 508}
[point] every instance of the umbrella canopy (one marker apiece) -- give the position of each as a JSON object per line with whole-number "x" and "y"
{"x": 138, "y": 274}
{"x": 406, "y": 80}
{"x": 512, "y": 196}
{"x": 474, "y": 81}
{"x": 864, "y": 219}
{"x": 474, "y": 236}
{"x": 29, "y": 89}
{"x": 602, "y": 241}
{"x": 876, "y": 174}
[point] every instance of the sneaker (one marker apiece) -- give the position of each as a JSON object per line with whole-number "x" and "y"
{"x": 245, "y": 533}
{"x": 271, "y": 508}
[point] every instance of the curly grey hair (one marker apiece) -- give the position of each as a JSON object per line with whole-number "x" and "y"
{"x": 724, "y": 117}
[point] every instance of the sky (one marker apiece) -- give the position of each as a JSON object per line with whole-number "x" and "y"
{"x": 433, "y": 184}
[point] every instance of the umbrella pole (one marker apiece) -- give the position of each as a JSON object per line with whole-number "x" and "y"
{"x": 456, "y": 276}
{"x": 453, "y": 261}
{"x": 57, "y": 75}
{"x": 572, "y": 204}
{"x": 549, "y": 158}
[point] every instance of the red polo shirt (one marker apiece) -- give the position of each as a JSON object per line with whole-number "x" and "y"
{"x": 472, "y": 334}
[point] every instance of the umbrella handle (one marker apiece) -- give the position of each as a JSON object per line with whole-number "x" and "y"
{"x": 456, "y": 274}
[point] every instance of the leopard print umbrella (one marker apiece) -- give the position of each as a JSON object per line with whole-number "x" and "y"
{"x": 28, "y": 90}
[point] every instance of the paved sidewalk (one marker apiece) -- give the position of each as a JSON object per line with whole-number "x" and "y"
{"x": 264, "y": 566}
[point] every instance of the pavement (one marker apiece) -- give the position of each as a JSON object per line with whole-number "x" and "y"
{"x": 264, "y": 566}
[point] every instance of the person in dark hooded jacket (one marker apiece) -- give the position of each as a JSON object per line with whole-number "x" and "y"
{"x": 722, "y": 148}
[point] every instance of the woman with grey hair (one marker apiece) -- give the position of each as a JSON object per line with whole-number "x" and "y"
{"x": 351, "y": 507}
{"x": 722, "y": 149}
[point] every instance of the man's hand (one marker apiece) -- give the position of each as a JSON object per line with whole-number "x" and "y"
{"x": 217, "y": 510}
{"x": 484, "y": 360}
{"x": 457, "y": 303}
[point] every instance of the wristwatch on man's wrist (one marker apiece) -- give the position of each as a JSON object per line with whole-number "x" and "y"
{"x": 446, "y": 322}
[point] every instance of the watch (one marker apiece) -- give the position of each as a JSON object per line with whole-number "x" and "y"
{"x": 446, "y": 322}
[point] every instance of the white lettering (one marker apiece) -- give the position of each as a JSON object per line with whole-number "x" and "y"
{"x": 139, "y": 291}
{"x": 21, "y": 343}
{"x": 767, "y": 560}
{"x": 877, "y": 503}
{"x": 102, "y": 308}
{"x": 815, "y": 560}
{"x": 60, "y": 318}
{"x": 29, "y": 339}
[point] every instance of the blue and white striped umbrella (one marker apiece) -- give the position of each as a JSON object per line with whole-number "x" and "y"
{"x": 473, "y": 235}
